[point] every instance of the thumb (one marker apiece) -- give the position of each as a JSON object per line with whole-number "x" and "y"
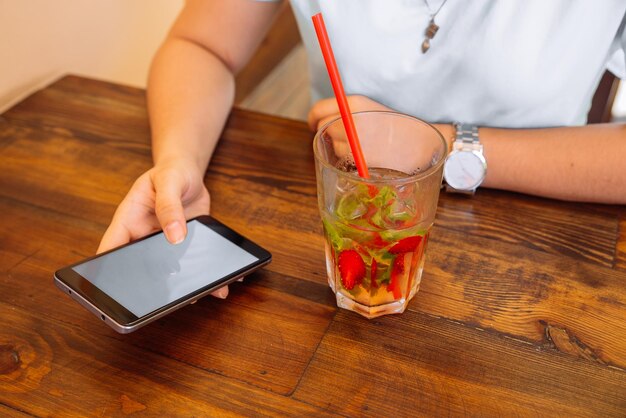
{"x": 169, "y": 207}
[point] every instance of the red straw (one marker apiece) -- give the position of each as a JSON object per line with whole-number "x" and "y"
{"x": 340, "y": 95}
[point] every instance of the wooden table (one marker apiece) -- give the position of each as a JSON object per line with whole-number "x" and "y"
{"x": 522, "y": 309}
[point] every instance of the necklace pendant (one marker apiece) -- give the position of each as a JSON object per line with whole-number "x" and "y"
{"x": 432, "y": 29}
{"x": 430, "y": 33}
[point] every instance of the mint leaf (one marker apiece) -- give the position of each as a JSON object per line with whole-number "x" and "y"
{"x": 332, "y": 233}
{"x": 377, "y": 219}
{"x": 384, "y": 276}
{"x": 350, "y": 207}
{"x": 398, "y": 234}
{"x": 384, "y": 197}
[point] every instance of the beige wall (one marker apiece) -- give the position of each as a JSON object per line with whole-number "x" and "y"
{"x": 106, "y": 39}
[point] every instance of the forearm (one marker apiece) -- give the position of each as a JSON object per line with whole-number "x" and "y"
{"x": 190, "y": 93}
{"x": 585, "y": 163}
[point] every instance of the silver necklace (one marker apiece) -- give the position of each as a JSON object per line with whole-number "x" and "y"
{"x": 432, "y": 28}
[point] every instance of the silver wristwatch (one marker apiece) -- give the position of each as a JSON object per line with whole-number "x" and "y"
{"x": 465, "y": 167}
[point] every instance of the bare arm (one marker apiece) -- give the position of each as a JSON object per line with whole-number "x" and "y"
{"x": 191, "y": 84}
{"x": 190, "y": 93}
{"x": 585, "y": 163}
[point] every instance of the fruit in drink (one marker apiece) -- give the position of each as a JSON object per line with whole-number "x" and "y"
{"x": 375, "y": 241}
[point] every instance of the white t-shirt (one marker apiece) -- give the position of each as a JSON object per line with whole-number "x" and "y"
{"x": 507, "y": 63}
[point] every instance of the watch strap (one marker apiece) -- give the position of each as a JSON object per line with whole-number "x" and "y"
{"x": 467, "y": 137}
{"x": 466, "y": 140}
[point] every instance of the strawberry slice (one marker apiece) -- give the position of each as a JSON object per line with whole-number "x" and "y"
{"x": 373, "y": 270}
{"x": 351, "y": 268}
{"x": 371, "y": 210}
{"x": 406, "y": 245}
{"x": 377, "y": 242}
{"x": 396, "y": 274}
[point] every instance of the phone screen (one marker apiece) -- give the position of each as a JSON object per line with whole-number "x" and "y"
{"x": 152, "y": 273}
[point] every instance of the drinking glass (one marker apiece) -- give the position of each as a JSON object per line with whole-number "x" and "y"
{"x": 376, "y": 229}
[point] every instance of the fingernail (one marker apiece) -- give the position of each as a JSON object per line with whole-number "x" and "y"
{"x": 174, "y": 232}
{"x": 221, "y": 293}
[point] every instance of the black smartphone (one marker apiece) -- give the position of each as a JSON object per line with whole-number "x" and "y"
{"x": 137, "y": 283}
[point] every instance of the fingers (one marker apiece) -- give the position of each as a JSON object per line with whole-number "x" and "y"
{"x": 169, "y": 207}
{"x": 323, "y": 108}
{"x": 327, "y": 109}
{"x": 159, "y": 199}
{"x": 130, "y": 221}
{"x": 132, "y": 217}
{"x": 116, "y": 234}
{"x": 221, "y": 293}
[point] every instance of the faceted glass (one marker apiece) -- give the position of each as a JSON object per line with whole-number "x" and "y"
{"x": 376, "y": 230}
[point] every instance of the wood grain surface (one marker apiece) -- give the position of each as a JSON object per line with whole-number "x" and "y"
{"x": 620, "y": 251}
{"x": 9, "y": 412}
{"x": 521, "y": 312}
{"x": 422, "y": 365}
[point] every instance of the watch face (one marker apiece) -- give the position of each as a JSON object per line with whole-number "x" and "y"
{"x": 465, "y": 170}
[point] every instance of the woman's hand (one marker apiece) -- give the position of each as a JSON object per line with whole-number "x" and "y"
{"x": 163, "y": 197}
{"x": 326, "y": 110}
